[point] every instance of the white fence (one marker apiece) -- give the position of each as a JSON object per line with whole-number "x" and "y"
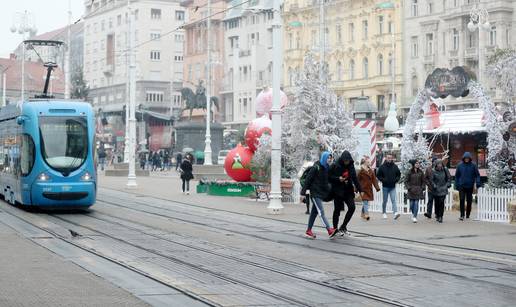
{"x": 493, "y": 204}
{"x": 403, "y": 204}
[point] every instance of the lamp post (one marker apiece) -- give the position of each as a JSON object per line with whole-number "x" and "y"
{"x": 479, "y": 19}
{"x": 207, "y": 148}
{"x": 275, "y": 206}
{"x": 67, "y": 52}
{"x": 131, "y": 177}
{"x": 23, "y": 23}
{"x": 4, "y": 84}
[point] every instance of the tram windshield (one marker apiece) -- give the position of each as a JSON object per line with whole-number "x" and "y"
{"x": 64, "y": 142}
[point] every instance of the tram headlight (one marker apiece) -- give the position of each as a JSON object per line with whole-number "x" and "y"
{"x": 43, "y": 177}
{"x": 86, "y": 177}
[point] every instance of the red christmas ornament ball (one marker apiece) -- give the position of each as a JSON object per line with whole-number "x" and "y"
{"x": 255, "y": 129}
{"x": 238, "y": 163}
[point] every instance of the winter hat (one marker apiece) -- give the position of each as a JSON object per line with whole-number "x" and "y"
{"x": 412, "y": 162}
{"x": 324, "y": 159}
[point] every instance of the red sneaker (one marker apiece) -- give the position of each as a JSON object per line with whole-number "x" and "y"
{"x": 309, "y": 234}
{"x": 332, "y": 232}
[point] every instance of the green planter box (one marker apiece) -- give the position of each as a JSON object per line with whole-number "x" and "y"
{"x": 202, "y": 188}
{"x": 231, "y": 190}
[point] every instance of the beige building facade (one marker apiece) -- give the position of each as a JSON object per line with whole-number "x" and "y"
{"x": 363, "y": 47}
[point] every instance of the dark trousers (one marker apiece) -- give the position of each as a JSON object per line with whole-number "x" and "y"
{"x": 307, "y": 202}
{"x": 439, "y": 206}
{"x": 338, "y": 203}
{"x": 187, "y": 184}
{"x": 466, "y": 194}
{"x": 430, "y": 204}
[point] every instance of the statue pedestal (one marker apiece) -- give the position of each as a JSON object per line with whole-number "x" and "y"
{"x": 193, "y": 135}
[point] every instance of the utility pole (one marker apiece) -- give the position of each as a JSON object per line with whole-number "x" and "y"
{"x": 67, "y": 65}
{"x": 131, "y": 177}
{"x": 127, "y": 84}
{"x": 275, "y": 206}
{"x": 207, "y": 149}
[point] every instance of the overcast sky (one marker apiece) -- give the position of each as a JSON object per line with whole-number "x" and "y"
{"x": 48, "y": 15}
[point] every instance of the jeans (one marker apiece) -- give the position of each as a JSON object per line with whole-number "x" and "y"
{"x": 317, "y": 208}
{"x": 386, "y": 193}
{"x": 187, "y": 183}
{"x": 338, "y": 202}
{"x": 102, "y": 162}
{"x": 439, "y": 206}
{"x": 466, "y": 194}
{"x": 414, "y": 207}
{"x": 365, "y": 206}
{"x": 430, "y": 204}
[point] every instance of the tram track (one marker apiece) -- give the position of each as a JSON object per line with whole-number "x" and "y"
{"x": 386, "y": 250}
{"x": 365, "y": 234}
{"x": 362, "y": 256}
{"x": 239, "y": 260}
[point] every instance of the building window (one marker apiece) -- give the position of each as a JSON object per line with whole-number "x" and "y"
{"x": 380, "y": 25}
{"x": 414, "y": 47}
{"x": 290, "y": 41}
{"x": 351, "y": 30}
{"x": 430, "y": 7}
{"x": 155, "y": 55}
{"x": 430, "y": 44}
{"x": 455, "y": 39}
{"x": 366, "y": 68}
{"x": 136, "y": 14}
{"x": 155, "y": 14}
{"x": 380, "y": 104}
{"x": 380, "y": 64}
{"x": 365, "y": 27}
{"x": 351, "y": 69}
{"x": 152, "y": 96}
{"x": 339, "y": 71}
{"x": 155, "y": 36}
{"x": 119, "y": 19}
{"x": 444, "y": 44}
{"x": 492, "y": 36}
{"x": 414, "y": 8}
{"x": 298, "y": 41}
{"x": 102, "y": 25}
{"x": 180, "y": 15}
{"x": 507, "y": 37}
{"x": 179, "y": 38}
{"x": 338, "y": 31}
{"x": 391, "y": 27}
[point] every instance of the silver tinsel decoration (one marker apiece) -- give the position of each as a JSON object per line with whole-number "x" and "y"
{"x": 315, "y": 120}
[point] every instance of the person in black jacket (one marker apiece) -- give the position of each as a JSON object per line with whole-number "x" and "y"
{"x": 186, "y": 174}
{"x": 389, "y": 174}
{"x": 344, "y": 183}
{"x": 317, "y": 184}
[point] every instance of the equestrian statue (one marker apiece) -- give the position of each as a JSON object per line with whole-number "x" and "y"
{"x": 197, "y": 100}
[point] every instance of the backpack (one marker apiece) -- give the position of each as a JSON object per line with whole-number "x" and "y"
{"x": 305, "y": 174}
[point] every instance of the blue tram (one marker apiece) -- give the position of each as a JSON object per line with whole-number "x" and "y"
{"x": 47, "y": 153}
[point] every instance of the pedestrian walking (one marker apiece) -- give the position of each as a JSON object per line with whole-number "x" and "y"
{"x": 389, "y": 175}
{"x": 344, "y": 184}
{"x": 466, "y": 178}
{"x": 303, "y": 172}
{"x": 428, "y": 177}
{"x": 415, "y": 184}
{"x": 102, "y": 157}
{"x": 319, "y": 189}
{"x": 179, "y": 158}
{"x": 379, "y": 157}
{"x": 367, "y": 180}
{"x": 440, "y": 182}
{"x": 186, "y": 170}
{"x": 143, "y": 160}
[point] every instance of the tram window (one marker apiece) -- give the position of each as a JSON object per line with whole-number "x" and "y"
{"x": 27, "y": 155}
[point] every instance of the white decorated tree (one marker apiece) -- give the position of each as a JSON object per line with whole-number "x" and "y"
{"x": 261, "y": 162}
{"x": 316, "y": 119}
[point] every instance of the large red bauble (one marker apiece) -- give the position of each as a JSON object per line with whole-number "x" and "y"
{"x": 255, "y": 129}
{"x": 238, "y": 163}
{"x": 264, "y": 102}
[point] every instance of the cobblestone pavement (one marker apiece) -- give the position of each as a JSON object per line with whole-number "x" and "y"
{"x": 229, "y": 252}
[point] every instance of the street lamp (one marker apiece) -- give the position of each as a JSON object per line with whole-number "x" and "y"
{"x": 23, "y": 23}
{"x": 131, "y": 120}
{"x": 275, "y": 206}
{"x": 207, "y": 148}
{"x": 479, "y": 19}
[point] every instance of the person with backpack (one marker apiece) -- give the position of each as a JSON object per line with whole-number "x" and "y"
{"x": 389, "y": 174}
{"x": 102, "y": 157}
{"x": 367, "y": 180}
{"x": 318, "y": 187}
{"x": 428, "y": 177}
{"x": 344, "y": 184}
{"x": 186, "y": 170}
{"x": 305, "y": 169}
{"x": 415, "y": 184}
{"x": 466, "y": 177}
{"x": 441, "y": 182}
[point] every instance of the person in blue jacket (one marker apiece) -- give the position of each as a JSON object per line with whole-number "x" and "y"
{"x": 466, "y": 177}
